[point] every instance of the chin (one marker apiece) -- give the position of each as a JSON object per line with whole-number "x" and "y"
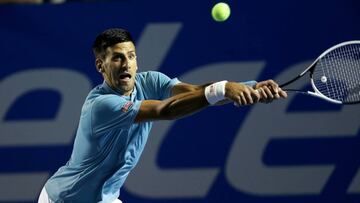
{"x": 126, "y": 88}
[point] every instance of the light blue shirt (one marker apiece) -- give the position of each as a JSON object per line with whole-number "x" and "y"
{"x": 108, "y": 143}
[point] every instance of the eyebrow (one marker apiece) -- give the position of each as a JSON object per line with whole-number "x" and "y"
{"x": 119, "y": 53}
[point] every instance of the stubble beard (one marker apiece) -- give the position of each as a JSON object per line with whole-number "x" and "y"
{"x": 126, "y": 88}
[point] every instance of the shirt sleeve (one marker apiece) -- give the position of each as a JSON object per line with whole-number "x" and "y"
{"x": 161, "y": 85}
{"x": 250, "y": 83}
{"x": 113, "y": 111}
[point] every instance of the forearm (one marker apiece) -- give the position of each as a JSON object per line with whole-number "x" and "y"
{"x": 185, "y": 87}
{"x": 174, "y": 107}
{"x": 183, "y": 104}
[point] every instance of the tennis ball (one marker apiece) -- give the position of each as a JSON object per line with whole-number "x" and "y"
{"x": 220, "y": 12}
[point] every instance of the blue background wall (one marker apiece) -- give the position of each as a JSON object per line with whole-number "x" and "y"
{"x": 298, "y": 150}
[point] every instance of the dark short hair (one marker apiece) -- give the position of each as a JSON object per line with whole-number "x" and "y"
{"x": 109, "y": 38}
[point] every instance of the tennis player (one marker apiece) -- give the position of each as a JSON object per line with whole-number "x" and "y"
{"x": 117, "y": 116}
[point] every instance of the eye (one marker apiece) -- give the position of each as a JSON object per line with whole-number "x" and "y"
{"x": 117, "y": 58}
{"x": 132, "y": 56}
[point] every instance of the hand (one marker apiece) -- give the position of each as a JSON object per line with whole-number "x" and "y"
{"x": 241, "y": 94}
{"x": 269, "y": 90}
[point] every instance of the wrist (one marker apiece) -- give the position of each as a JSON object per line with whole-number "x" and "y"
{"x": 215, "y": 92}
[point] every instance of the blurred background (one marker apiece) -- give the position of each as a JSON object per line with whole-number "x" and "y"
{"x": 299, "y": 150}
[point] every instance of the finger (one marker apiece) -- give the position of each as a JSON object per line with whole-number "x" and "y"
{"x": 255, "y": 94}
{"x": 271, "y": 88}
{"x": 243, "y": 99}
{"x": 275, "y": 93}
{"x": 282, "y": 93}
{"x": 237, "y": 102}
{"x": 268, "y": 92}
{"x": 263, "y": 96}
{"x": 274, "y": 86}
{"x": 248, "y": 98}
{"x": 277, "y": 96}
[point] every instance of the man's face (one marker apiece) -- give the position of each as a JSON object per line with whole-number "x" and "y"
{"x": 119, "y": 67}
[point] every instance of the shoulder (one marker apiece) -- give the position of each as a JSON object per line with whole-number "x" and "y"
{"x": 149, "y": 79}
{"x": 150, "y": 75}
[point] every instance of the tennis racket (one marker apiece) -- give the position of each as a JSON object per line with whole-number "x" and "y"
{"x": 334, "y": 75}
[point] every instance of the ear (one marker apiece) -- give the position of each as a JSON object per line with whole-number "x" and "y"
{"x": 99, "y": 65}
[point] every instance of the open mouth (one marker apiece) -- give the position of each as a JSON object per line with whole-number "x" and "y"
{"x": 124, "y": 76}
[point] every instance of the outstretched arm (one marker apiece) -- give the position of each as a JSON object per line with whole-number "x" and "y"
{"x": 268, "y": 90}
{"x": 188, "y": 99}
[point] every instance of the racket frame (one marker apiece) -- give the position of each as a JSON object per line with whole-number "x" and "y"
{"x": 316, "y": 92}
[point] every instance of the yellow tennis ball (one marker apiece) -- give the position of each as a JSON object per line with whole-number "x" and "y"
{"x": 220, "y": 12}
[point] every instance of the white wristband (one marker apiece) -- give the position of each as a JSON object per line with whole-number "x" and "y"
{"x": 215, "y": 92}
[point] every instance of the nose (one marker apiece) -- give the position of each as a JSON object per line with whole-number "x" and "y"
{"x": 125, "y": 63}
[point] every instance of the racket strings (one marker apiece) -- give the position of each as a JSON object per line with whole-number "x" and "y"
{"x": 342, "y": 78}
{"x": 337, "y": 74}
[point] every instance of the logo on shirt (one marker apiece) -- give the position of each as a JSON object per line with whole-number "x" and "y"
{"x": 126, "y": 107}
